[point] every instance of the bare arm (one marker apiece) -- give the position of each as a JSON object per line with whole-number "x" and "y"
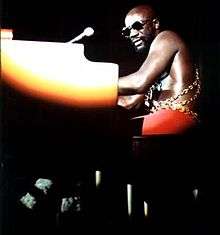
{"x": 161, "y": 53}
{"x": 131, "y": 101}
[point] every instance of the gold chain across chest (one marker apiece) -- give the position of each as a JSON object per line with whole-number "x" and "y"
{"x": 172, "y": 103}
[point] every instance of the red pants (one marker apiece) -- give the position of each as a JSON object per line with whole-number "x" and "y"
{"x": 167, "y": 121}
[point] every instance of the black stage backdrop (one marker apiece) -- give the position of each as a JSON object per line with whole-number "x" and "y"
{"x": 44, "y": 140}
{"x": 61, "y": 21}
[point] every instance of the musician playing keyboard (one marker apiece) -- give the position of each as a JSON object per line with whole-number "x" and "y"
{"x": 167, "y": 84}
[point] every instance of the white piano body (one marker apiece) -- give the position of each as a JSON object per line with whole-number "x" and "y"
{"x": 56, "y": 100}
{"x": 58, "y": 72}
{"x": 56, "y": 137}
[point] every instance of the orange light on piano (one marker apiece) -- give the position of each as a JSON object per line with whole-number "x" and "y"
{"x": 59, "y": 72}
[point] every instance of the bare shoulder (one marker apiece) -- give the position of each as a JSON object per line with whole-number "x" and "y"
{"x": 169, "y": 37}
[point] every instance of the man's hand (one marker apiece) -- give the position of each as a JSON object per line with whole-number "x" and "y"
{"x": 131, "y": 102}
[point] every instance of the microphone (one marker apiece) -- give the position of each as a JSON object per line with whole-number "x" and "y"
{"x": 86, "y": 33}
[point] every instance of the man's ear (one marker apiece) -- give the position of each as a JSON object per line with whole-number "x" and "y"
{"x": 156, "y": 23}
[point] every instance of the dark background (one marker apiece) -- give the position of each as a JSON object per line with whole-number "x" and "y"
{"x": 38, "y": 138}
{"x": 61, "y": 21}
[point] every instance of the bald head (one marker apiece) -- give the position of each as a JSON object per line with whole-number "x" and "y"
{"x": 143, "y": 10}
{"x": 141, "y": 26}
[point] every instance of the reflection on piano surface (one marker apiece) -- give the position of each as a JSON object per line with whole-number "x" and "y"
{"x": 58, "y": 72}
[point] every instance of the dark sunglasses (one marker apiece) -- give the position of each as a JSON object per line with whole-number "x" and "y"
{"x": 137, "y": 25}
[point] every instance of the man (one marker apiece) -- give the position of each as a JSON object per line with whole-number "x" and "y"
{"x": 166, "y": 83}
{"x": 168, "y": 86}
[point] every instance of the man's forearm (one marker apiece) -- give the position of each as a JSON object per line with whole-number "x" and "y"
{"x": 127, "y": 85}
